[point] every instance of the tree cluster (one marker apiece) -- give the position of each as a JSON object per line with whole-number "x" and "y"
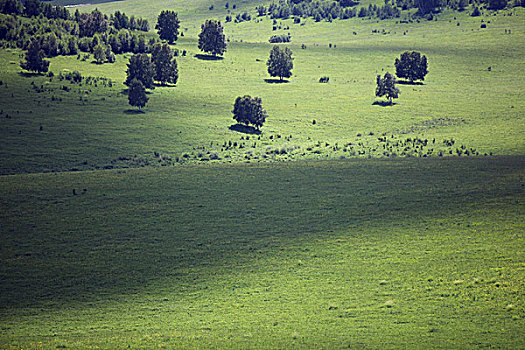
{"x": 60, "y": 33}
{"x": 248, "y": 110}
{"x": 143, "y": 69}
{"x": 326, "y": 10}
{"x": 120, "y": 20}
{"x": 282, "y": 38}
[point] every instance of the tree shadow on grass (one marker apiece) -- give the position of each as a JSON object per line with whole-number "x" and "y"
{"x": 384, "y": 103}
{"x": 168, "y": 85}
{"x": 209, "y": 57}
{"x": 30, "y": 74}
{"x": 134, "y": 111}
{"x": 408, "y": 82}
{"x": 245, "y": 129}
{"x": 276, "y": 81}
{"x": 126, "y": 91}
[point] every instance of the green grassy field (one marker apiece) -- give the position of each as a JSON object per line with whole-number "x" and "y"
{"x": 376, "y": 227}
{"x": 461, "y": 100}
{"x": 334, "y": 254}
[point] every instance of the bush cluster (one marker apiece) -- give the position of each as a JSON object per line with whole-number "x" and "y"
{"x": 282, "y": 38}
{"x": 60, "y": 33}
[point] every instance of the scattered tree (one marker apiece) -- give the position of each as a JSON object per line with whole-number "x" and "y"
{"x": 168, "y": 26}
{"x": 412, "y": 66}
{"x": 137, "y": 94}
{"x": 211, "y": 38}
{"x": 165, "y": 64}
{"x": 248, "y": 110}
{"x": 386, "y": 86}
{"x": 141, "y": 68}
{"x": 34, "y": 58}
{"x": 280, "y": 63}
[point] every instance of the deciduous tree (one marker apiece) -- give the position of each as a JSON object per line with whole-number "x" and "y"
{"x": 386, "y": 86}
{"x": 248, "y": 110}
{"x": 34, "y": 58}
{"x": 211, "y": 38}
{"x": 168, "y": 26}
{"x": 165, "y": 64}
{"x": 280, "y": 63}
{"x": 412, "y": 66}
{"x": 137, "y": 94}
{"x": 99, "y": 52}
{"x": 141, "y": 68}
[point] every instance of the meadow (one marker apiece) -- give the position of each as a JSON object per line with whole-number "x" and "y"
{"x": 361, "y": 254}
{"x": 344, "y": 224}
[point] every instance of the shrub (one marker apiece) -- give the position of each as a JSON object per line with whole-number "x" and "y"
{"x": 282, "y": 38}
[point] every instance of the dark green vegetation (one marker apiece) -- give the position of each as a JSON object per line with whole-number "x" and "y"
{"x": 137, "y": 94}
{"x": 361, "y": 254}
{"x": 416, "y": 241}
{"x": 280, "y": 62}
{"x": 248, "y": 110}
{"x": 412, "y": 66}
{"x": 386, "y": 86}
{"x": 168, "y": 26}
{"x": 212, "y": 39}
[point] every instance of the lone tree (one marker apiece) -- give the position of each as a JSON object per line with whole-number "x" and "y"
{"x": 412, "y": 66}
{"x": 211, "y": 38}
{"x": 141, "y": 68}
{"x": 168, "y": 26}
{"x": 34, "y": 58}
{"x": 248, "y": 110}
{"x": 280, "y": 63}
{"x": 137, "y": 94}
{"x": 165, "y": 64}
{"x": 386, "y": 86}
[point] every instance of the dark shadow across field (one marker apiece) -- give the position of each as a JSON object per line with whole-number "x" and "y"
{"x": 132, "y": 229}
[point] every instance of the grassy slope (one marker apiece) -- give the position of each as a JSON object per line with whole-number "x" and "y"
{"x": 460, "y": 99}
{"x": 370, "y": 254}
{"x": 366, "y": 254}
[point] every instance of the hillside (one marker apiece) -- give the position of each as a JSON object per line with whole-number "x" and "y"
{"x": 346, "y": 222}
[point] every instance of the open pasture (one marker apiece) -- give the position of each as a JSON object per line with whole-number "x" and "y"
{"x": 354, "y": 225}
{"x": 461, "y": 100}
{"x": 363, "y": 254}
